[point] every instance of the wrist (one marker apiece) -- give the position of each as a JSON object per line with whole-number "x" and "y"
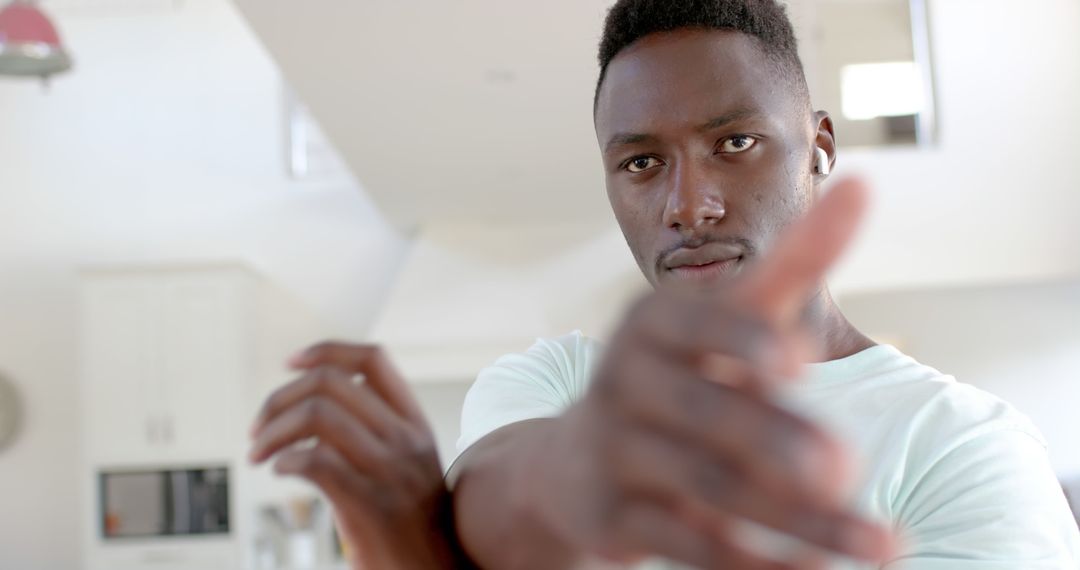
{"x": 410, "y": 542}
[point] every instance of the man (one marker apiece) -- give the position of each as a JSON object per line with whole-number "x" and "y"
{"x": 685, "y": 438}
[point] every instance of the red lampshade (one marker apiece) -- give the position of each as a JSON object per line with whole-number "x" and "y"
{"x": 29, "y": 43}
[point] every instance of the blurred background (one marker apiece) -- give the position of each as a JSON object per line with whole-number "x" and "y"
{"x": 215, "y": 184}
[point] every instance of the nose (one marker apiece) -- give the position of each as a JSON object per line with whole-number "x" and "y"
{"x": 693, "y": 200}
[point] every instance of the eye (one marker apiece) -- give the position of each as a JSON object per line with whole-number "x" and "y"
{"x": 737, "y": 144}
{"x": 641, "y": 164}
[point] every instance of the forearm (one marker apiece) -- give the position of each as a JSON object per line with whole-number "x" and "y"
{"x": 494, "y": 504}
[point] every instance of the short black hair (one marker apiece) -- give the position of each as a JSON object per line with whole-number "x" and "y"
{"x": 766, "y": 20}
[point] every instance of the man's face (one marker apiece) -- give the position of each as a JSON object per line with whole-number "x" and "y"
{"x": 708, "y": 153}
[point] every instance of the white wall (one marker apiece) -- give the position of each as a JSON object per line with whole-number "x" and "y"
{"x": 996, "y": 200}
{"x": 164, "y": 144}
{"x": 442, "y": 404}
{"x": 1020, "y": 342}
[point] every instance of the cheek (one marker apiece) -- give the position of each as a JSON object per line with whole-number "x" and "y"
{"x": 776, "y": 201}
{"x": 786, "y": 207}
{"x": 637, "y": 224}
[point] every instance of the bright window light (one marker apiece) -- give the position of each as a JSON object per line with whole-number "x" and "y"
{"x": 872, "y": 90}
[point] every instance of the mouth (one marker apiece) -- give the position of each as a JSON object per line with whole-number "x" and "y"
{"x": 708, "y": 270}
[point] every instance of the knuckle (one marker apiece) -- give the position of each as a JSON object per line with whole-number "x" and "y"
{"x": 322, "y": 378}
{"x": 313, "y": 411}
{"x": 421, "y": 443}
{"x": 318, "y": 459}
{"x": 277, "y": 399}
{"x": 409, "y": 442}
{"x": 308, "y": 464}
{"x": 715, "y": 480}
{"x": 799, "y": 445}
{"x": 332, "y": 473}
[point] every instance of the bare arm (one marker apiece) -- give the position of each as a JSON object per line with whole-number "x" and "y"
{"x": 492, "y": 509}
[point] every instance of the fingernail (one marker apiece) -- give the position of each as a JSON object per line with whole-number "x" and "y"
{"x": 297, "y": 360}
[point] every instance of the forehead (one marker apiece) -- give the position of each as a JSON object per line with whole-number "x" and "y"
{"x": 687, "y": 77}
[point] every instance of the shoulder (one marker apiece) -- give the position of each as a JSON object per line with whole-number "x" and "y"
{"x": 882, "y": 393}
{"x": 540, "y": 382}
{"x": 946, "y": 413}
{"x": 971, "y": 479}
{"x": 561, "y": 359}
{"x": 931, "y": 407}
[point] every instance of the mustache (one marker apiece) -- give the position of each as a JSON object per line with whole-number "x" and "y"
{"x": 742, "y": 243}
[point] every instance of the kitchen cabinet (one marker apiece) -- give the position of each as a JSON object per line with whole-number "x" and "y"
{"x": 167, "y": 366}
{"x": 166, "y": 361}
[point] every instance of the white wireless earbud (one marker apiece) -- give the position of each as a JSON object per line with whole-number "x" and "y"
{"x": 822, "y": 166}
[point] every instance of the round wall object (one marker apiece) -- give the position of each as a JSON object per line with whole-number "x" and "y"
{"x": 10, "y": 413}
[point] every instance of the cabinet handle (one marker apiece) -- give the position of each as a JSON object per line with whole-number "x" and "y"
{"x": 151, "y": 431}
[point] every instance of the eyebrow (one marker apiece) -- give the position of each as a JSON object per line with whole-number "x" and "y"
{"x": 622, "y": 139}
{"x": 726, "y": 119}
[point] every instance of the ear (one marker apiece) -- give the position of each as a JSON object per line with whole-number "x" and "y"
{"x": 825, "y": 139}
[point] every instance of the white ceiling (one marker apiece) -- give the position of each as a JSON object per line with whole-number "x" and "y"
{"x": 462, "y": 110}
{"x": 479, "y": 112}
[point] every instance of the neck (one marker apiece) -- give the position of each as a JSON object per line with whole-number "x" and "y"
{"x": 837, "y": 337}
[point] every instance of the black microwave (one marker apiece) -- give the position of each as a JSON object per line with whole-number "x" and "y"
{"x": 164, "y": 502}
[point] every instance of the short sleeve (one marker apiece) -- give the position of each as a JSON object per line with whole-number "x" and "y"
{"x": 539, "y": 383}
{"x": 990, "y": 503}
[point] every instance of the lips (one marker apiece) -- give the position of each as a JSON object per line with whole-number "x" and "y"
{"x": 705, "y": 262}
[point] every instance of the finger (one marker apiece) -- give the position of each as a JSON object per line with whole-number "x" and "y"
{"x": 373, "y": 363}
{"x": 748, "y": 537}
{"x": 321, "y": 418}
{"x": 685, "y": 328}
{"x": 775, "y": 446}
{"x": 326, "y": 468}
{"x": 715, "y": 493}
{"x": 349, "y": 492}
{"x": 761, "y": 378}
{"x": 656, "y": 530}
{"x": 336, "y": 384}
{"x": 793, "y": 270}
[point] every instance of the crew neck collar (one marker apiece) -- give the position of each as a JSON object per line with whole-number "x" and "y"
{"x": 860, "y": 365}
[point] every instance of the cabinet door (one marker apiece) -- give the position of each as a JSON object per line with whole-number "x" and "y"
{"x": 204, "y": 358}
{"x": 118, "y": 338}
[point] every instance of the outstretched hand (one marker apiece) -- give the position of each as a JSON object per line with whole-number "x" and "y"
{"x": 678, "y": 443}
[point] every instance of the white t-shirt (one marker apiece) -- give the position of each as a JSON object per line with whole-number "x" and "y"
{"x": 963, "y": 474}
